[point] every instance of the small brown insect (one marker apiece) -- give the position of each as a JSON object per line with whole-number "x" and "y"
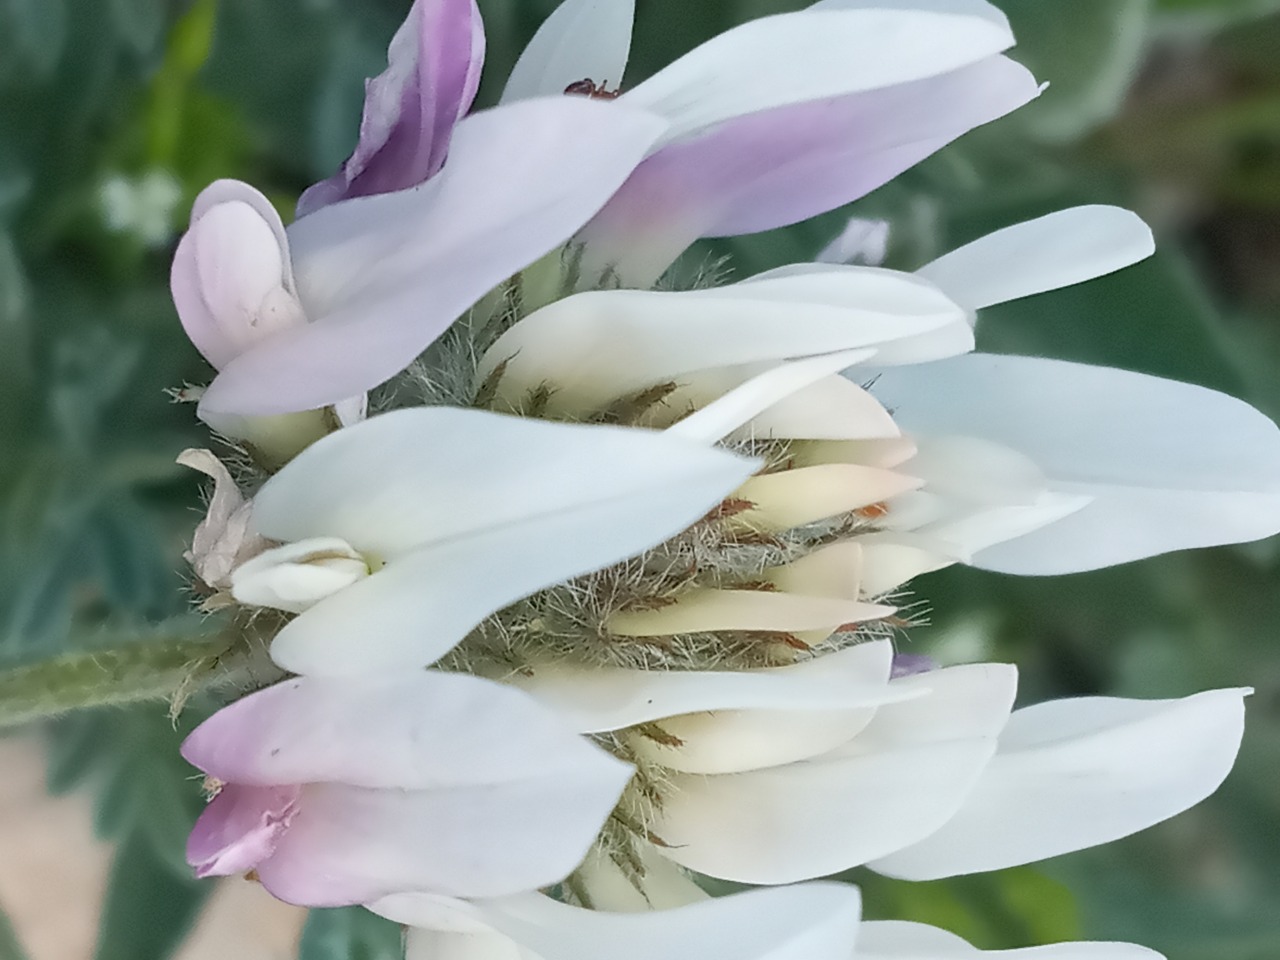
{"x": 589, "y": 88}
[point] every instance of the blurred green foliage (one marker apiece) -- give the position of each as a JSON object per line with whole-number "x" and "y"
{"x": 114, "y": 113}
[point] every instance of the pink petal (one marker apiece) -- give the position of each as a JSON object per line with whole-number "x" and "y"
{"x": 382, "y": 277}
{"x": 231, "y": 278}
{"x": 425, "y": 730}
{"x": 354, "y": 845}
{"x": 240, "y": 828}
{"x": 780, "y": 166}
{"x": 410, "y": 109}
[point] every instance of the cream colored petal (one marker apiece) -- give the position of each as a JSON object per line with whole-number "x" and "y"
{"x": 891, "y": 559}
{"x": 831, "y": 571}
{"x": 761, "y": 393}
{"x": 882, "y": 453}
{"x": 793, "y": 498}
{"x": 834, "y": 408}
{"x": 706, "y": 609}
{"x": 297, "y": 576}
{"x": 735, "y": 741}
{"x": 658, "y": 884}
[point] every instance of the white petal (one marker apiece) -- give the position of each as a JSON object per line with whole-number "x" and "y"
{"x": 595, "y": 699}
{"x": 433, "y": 490}
{"x": 1072, "y": 774}
{"x": 793, "y": 58}
{"x": 1057, "y": 250}
{"x": 399, "y": 481}
{"x": 898, "y": 781}
{"x": 810, "y": 922}
{"x": 816, "y": 921}
{"x": 976, "y": 471}
{"x": 977, "y": 493}
{"x": 902, "y": 940}
{"x": 297, "y": 576}
{"x": 594, "y": 347}
{"x": 975, "y": 530}
{"x": 971, "y": 8}
{"x": 720, "y": 418}
{"x": 581, "y": 40}
{"x": 416, "y": 609}
{"x": 854, "y": 286}
{"x": 1169, "y": 465}
{"x": 831, "y": 408}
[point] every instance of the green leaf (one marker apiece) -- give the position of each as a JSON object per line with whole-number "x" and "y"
{"x": 1005, "y": 909}
{"x": 139, "y": 22}
{"x": 340, "y": 97}
{"x": 349, "y": 933}
{"x": 38, "y": 29}
{"x": 1088, "y": 51}
{"x": 1200, "y": 17}
{"x": 272, "y": 60}
{"x": 10, "y": 948}
{"x": 14, "y": 295}
{"x": 148, "y": 909}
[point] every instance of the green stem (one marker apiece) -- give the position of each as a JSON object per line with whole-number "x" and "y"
{"x": 158, "y": 669}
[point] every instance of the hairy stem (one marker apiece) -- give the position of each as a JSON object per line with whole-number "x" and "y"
{"x": 159, "y": 668}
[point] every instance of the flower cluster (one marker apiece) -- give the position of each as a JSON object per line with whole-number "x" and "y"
{"x": 590, "y": 576}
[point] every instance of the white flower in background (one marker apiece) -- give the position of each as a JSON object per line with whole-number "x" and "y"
{"x": 143, "y": 206}
{"x": 861, "y": 241}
